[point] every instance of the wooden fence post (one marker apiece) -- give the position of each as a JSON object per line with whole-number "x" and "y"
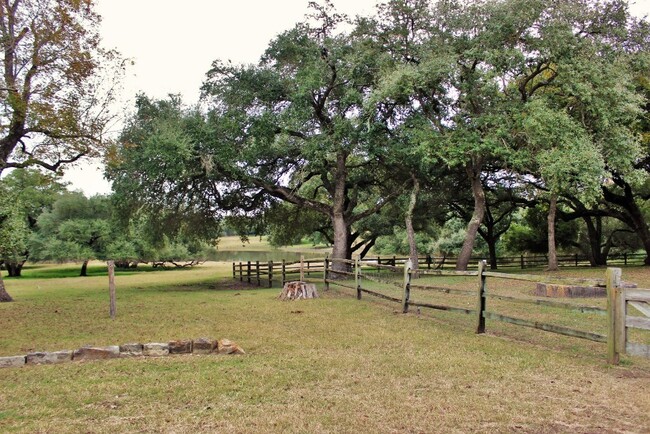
{"x": 241, "y": 272}
{"x": 302, "y": 268}
{"x": 428, "y": 262}
{"x": 480, "y": 305}
{"x": 325, "y": 282}
{"x": 234, "y": 273}
{"x": 284, "y": 272}
{"x": 248, "y": 271}
{"x": 613, "y": 280}
{"x": 576, "y": 259}
{"x": 257, "y": 273}
{"x": 270, "y": 274}
{"x": 522, "y": 261}
{"x": 111, "y": 289}
{"x": 357, "y": 280}
{"x": 407, "y": 286}
{"x": 625, "y": 258}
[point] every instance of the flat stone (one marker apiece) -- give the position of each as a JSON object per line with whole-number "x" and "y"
{"x": 204, "y": 346}
{"x": 226, "y": 346}
{"x": 180, "y": 347}
{"x": 131, "y": 350}
{"x": 155, "y": 349}
{"x": 570, "y": 291}
{"x": 97, "y": 353}
{"x": 12, "y": 361}
{"x": 42, "y": 358}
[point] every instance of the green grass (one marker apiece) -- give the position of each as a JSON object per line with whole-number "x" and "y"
{"x": 328, "y": 365}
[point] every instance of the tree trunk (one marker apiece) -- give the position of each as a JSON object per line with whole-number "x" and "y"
{"x": 552, "y": 253}
{"x": 4, "y": 295}
{"x": 474, "y": 173}
{"x": 84, "y": 269}
{"x": 492, "y": 251}
{"x": 14, "y": 269}
{"x": 634, "y": 217}
{"x": 595, "y": 235}
{"x": 341, "y": 248}
{"x": 410, "y": 232}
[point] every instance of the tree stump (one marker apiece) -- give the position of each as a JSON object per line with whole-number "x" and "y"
{"x": 298, "y": 290}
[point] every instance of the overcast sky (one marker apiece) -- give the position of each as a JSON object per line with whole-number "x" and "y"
{"x": 173, "y": 43}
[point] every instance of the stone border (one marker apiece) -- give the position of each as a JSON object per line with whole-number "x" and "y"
{"x": 153, "y": 349}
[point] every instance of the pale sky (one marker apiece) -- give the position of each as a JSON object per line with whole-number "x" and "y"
{"x": 173, "y": 43}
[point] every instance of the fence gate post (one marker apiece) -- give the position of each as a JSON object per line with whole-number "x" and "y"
{"x": 407, "y": 285}
{"x": 357, "y": 280}
{"x": 613, "y": 279}
{"x": 327, "y": 263}
{"x": 257, "y": 273}
{"x": 270, "y": 274}
{"x": 480, "y": 305}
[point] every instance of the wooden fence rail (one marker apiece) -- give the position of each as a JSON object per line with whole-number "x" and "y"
{"x": 398, "y": 273}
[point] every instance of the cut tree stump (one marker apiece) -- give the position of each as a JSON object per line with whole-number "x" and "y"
{"x": 298, "y": 290}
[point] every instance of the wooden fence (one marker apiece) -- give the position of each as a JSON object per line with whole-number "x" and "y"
{"x": 619, "y": 298}
{"x": 397, "y": 273}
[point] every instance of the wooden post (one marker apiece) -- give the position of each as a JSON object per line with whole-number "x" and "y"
{"x": 234, "y": 273}
{"x": 326, "y": 283}
{"x": 248, "y": 271}
{"x": 621, "y": 318}
{"x": 480, "y": 305}
{"x": 428, "y": 262}
{"x": 308, "y": 268}
{"x": 378, "y": 263}
{"x": 625, "y": 258}
{"x": 407, "y": 286}
{"x": 284, "y": 271}
{"x": 576, "y": 259}
{"x": 257, "y": 273}
{"x": 111, "y": 289}
{"x": 270, "y": 274}
{"x": 613, "y": 279}
{"x": 241, "y": 272}
{"x": 522, "y": 261}
{"x": 302, "y": 268}
{"x": 357, "y": 280}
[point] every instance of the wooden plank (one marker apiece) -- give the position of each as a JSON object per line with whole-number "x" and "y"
{"x": 443, "y": 307}
{"x": 545, "y": 279}
{"x": 376, "y": 265}
{"x": 547, "y": 327}
{"x": 642, "y": 307}
{"x": 345, "y": 261}
{"x": 447, "y": 273}
{"x": 406, "y": 294}
{"x": 383, "y": 281}
{"x": 444, "y": 289}
{"x": 637, "y": 295}
{"x": 550, "y": 303}
{"x": 634, "y": 349}
{"x": 346, "y": 273}
{"x": 637, "y": 322}
{"x": 377, "y": 294}
{"x": 613, "y": 278}
{"x": 334, "y": 282}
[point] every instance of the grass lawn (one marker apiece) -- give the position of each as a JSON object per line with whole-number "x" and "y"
{"x": 332, "y": 364}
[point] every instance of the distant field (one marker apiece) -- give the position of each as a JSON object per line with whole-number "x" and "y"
{"x": 333, "y": 364}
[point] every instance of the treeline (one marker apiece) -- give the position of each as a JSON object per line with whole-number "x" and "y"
{"x": 42, "y": 221}
{"x": 517, "y": 120}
